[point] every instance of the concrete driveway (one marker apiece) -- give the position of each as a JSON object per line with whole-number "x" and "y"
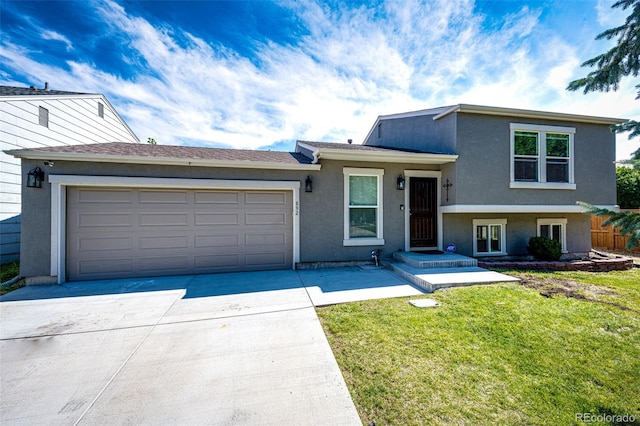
{"x": 225, "y": 349}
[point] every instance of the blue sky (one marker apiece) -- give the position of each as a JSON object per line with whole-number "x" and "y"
{"x": 259, "y": 74}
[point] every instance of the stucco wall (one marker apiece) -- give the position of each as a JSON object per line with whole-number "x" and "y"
{"x": 35, "y": 241}
{"x": 482, "y": 171}
{"x": 481, "y": 175}
{"x": 458, "y": 229}
{"x": 419, "y": 133}
{"x": 321, "y": 211}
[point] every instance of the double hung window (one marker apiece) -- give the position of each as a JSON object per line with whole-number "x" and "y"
{"x": 542, "y": 157}
{"x": 363, "y": 206}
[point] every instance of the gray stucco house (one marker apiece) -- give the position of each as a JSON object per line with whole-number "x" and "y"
{"x": 482, "y": 179}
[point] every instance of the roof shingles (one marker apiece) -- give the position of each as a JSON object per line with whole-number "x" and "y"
{"x": 32, "y": 91}
{"x": 354, "y": 147}
{"x": 122, "y": 149}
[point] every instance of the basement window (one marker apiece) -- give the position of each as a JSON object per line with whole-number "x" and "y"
{"x": 489, "y": 237}
{"x": 556, "y": 229}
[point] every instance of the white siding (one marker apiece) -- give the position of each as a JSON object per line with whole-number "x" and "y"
{"x": 73, "y": 120}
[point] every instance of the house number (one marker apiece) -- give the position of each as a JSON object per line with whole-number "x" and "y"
{"x": 297, "y": 208}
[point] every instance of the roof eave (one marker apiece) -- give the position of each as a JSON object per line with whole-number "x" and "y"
{"x": 522, "y": 113}
{"x": 386, "y": 157}
{"x": 161, "y": 161}
{"x": 43, "y": 96}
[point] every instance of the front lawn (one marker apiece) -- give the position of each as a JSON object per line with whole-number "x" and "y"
{"x": 546, "y": 351}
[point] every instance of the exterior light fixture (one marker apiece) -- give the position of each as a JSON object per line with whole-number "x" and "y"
{"x": 308, "y": 185}
{"x": 35, "y": 178}
{"x": 400, "y": 183}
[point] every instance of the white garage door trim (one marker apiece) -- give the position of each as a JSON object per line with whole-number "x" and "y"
{"x": 59, "y": 204}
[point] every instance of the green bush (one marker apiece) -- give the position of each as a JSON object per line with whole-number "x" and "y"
{"x": 628, "y": 187}
{"x": 543, "y": 248}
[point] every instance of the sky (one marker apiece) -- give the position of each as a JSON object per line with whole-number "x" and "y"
{"x": 263, "y": 74}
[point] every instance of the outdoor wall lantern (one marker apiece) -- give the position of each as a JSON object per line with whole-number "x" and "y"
{"x": 35, "y": 178}
{"x": 400, "y": 183}
{"x": 308, "y": 185}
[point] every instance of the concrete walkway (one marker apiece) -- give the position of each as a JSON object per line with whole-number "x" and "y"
{"x": 224, "y": 349}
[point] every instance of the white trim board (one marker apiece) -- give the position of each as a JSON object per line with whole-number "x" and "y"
{"x": 517, "y": 208}
{"x": 59, "y": 204}
{"x": 382, "y": 156}
{"x": 513, "y": 112}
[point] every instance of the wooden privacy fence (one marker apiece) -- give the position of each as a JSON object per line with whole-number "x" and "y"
{"x": 607, "y": 237}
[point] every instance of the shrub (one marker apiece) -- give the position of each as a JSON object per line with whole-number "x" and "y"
{"x": 628, "y": 187}
{"x": 543, "y": 248}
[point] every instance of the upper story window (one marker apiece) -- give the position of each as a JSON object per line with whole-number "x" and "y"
{"x": 362, "y": 206}
{"x": 100, "y": 110}
{"x": 542, "y": 157}
{"x": 43, "y": 116}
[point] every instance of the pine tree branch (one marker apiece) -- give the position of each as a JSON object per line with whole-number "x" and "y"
{"x": 628, "y": 223}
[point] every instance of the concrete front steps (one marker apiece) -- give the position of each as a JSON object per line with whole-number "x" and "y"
{"x": 432, "y": 272}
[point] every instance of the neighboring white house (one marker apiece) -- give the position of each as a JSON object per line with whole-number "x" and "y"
{"x": 34, "y": 118}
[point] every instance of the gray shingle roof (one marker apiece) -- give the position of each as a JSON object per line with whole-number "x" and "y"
{"x": 31, "y": 91}
{"x": 355, "y": 147}
{"x": 122, "y": 149}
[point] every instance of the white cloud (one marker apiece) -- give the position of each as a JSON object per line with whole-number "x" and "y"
{"x": 52, "y": 35}
{"x": 609, "y": 17}
{"x": 353, "y": 65}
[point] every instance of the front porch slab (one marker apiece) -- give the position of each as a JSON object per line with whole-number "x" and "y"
{"x": 442, "y": 271}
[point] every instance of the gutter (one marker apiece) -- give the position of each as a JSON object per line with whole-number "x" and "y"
{"x": 162, "y": 161}
{"x": 314, "y": 151}
{"x": 386, "y": 156}
{"x": 523, "y": 113}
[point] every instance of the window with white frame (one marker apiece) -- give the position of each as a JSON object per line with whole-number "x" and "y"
{"x": 489, "y": 237}
{"x": 542, "y": 156}
{"x": 363, "y": 206}
{"x": 556, "y": 229}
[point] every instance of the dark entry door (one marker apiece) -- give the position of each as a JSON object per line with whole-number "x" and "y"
{"x": 423, "y": 209}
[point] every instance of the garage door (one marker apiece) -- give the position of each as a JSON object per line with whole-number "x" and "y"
{"x": 130, "y": 232}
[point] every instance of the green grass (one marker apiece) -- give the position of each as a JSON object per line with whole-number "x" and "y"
{"x": 495, "y": 354}
{"x": 7, "y": 272}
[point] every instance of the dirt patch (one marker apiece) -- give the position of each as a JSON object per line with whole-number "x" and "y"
{"x": 551, "y": 287}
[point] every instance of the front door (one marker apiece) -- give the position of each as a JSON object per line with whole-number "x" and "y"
{"x": 423, "y": 209}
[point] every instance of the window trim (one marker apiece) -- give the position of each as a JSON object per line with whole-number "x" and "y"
{"x": 542, "y": 131}
{"x": 379, "y": 240}
{"x": 562, "y": 221}
{"x": 503, "y": 236}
